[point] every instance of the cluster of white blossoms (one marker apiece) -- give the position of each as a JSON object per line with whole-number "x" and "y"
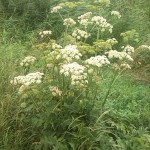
{"x": 78, "y": 34}
{"x": 55, "y": 91}
{"x": 116, "y": 13}
{"x": 28, "y": 79}
{"x": 45, "y": 33}
{"x": 119, "y": 55}
{"x": 69, "y": 22}
{"x": 145, "y": 47}
{"x": 98, "y": 61}
{"x": 128, "y": 49}
{"x": 56, "y": 9}
{"x": 84, "y": 19}
{"x": 56, "y": 46}
{"x": 102, "y": 23}
{"x": 125, "y": 66}
{"x": 69, "y": 53}
{"x": 112, "y": 41}
{"x": 76, "y": 72}
{"x": 28, "y": 61}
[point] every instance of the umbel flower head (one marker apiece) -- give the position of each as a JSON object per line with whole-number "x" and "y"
{"x": 69, "y": 22}
{"x": 112, "y": 41}
{"x": 102, "y": 23}
{"x": 56, "y": 9}
{"x": 84, "y": 19}
{"x": 67, "y": 54}
{"x": 144, "y": 47}
{"x": 77, "y": 74}
{"x": 45, "y": 33}
{"x": 55, "y": 91}
{"x": 28, "y": 79}
{"x": 128, "y": 49}
{"x": 27, "y": 61}
{"x": 56, "y": 46}
{"x": 116, "y": 13}
{"x": 119, "y": 55}
{"x": 78, "y": 34}
{"x": 98, "y": 61}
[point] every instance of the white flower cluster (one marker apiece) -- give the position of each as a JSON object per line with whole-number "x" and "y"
{"x": 50, "y": 65}
{"x": 45, "y": 33}
{"x": 77, "y": 73}
{"x": 112, "y": 41}
{"x": 119, "y": 55}
{"x": 84, "y": 19}
{"x": 98, "y": 61}
{"x": 69, "y": 22}
{"x": 55, "y": 91}
{"x": 56, "y": 46}
{"x": 28, "y": 61}
{"x": 56, "y": 9}
{"x": 128, "y": 49}
{"x": 125, "y": 66}
{"x": 145, "y": 47}
{"x": 28, "y": 79}
{"x": 116, "y": 66}
{"x": 116, "y": 13}
{"x": 69, "y": 53}
{"x": 102, "y": 23}
{"x": 80, "y": 34}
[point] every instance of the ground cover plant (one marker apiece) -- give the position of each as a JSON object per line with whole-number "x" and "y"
{"x": 72, "y": 87}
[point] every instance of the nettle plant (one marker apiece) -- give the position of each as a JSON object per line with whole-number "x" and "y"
{"x": 57, "y": 99}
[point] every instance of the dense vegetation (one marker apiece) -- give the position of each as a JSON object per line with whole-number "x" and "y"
{"x": 74, "y": 75}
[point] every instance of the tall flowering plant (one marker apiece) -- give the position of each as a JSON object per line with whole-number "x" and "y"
{"x": 59, "y": 99}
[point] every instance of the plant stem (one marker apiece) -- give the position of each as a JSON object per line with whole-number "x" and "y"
{"x": 110, "y": 87}
{"x": 98, "y": 34}
{"x": 60, "y": 16}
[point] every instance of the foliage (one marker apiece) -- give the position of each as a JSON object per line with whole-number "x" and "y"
{"x": 71, "y": 91}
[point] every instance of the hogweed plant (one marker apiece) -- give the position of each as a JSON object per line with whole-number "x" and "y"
{"x": 59, "y": 103}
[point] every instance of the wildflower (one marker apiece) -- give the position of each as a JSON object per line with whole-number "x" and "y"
{"x": 45, "y": 33}
{"x": 80, "y": 33}
{"x": 125, "y": 66}
{"x": 102, "y": 23}
{"x": 116, "y": 13}
{"x": 119, "y": 55}
{"x": 56, "y": 9}
{"x": 98, "y": 61}
{"x": 28, "y": 61}
{"x": 55, "y": 91}
{"x": 50, "y": 65}
{"x": 77, "y": 74}
{"x": 84, "y": 19}
{"x": 115, "y": 66}
{"x": 69, "y": 22}
{"x": 56, "y": 46}
{"x": 128, "y": 49}
{"x": 67, "y": 54}
{"x": 27, "y": 79}
{"x": 145, "y": 47}
{"x": 112, "y": 41}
